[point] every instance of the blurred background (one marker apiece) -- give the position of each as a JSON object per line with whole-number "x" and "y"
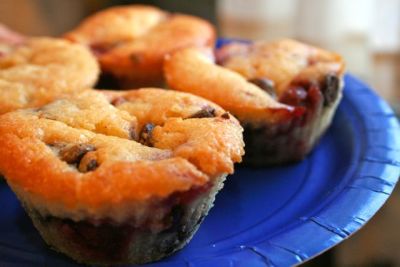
{"x": 365, "y": 32}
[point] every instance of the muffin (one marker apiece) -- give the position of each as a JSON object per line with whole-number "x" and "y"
{"x": 35, "y": 71}
{"x": 119, "y": 178}
{"x": 130, "y": 42}
{"x": 284, "y": 93}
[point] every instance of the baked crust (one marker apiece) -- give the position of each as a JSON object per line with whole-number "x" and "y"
{"x": 283, "y": 62}
{"x": 190, "y": 70}
{"x": 284, "y": 93}
{"x": 185, "y": 153}
{"x": 89, "y": 167}
{"x": 38, "y": 70}
{"x": 130, "y": 42}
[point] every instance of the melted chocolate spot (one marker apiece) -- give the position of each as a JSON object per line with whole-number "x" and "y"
{"x": 74, "y": 154}
{"x": 330, "y": 89}
{"x": 265, "y": 84}
{"x": 92, "y": 165}
{"x": 146, "y": 134}
{"x": 225, "y": 116}
{"x": 88, "y": 162}
{"x": 206, "y": 112}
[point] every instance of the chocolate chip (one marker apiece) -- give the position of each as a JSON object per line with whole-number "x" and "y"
{"x": 225, "y": 116}
{"x": 88, "y": 162}
{"x": 206, "y": 112}
{"x": 118, "y": 101}
{"x": 146, "y": 134}
{"x": 92, "y": 165}
{"x": 74, "y": 153}
{"x": 265, "y": 84}
{"x": 330, "y": 89}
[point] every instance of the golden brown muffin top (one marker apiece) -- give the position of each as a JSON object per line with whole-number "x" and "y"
{"x": 134, "y": 39}
{"x": 38, "y": 70}
{"x": 117, "y": 24}
{"x": 282, "y": 63}
{"x": 82, "y": 154}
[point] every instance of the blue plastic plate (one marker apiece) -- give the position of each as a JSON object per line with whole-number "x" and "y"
{"x": 271, "y": 217}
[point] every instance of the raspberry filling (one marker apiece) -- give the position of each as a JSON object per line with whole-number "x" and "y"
{"x": 313, "y": 97}
{"x": 303, "y": 93}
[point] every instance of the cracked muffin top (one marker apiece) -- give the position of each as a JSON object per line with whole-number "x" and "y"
{"x": 280, "y": 61}
{"x": 130, "y": 42}
{"x": 37, "y": 70}
{"x": 97, "y": 154}
{"x": 254, "y": 80}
